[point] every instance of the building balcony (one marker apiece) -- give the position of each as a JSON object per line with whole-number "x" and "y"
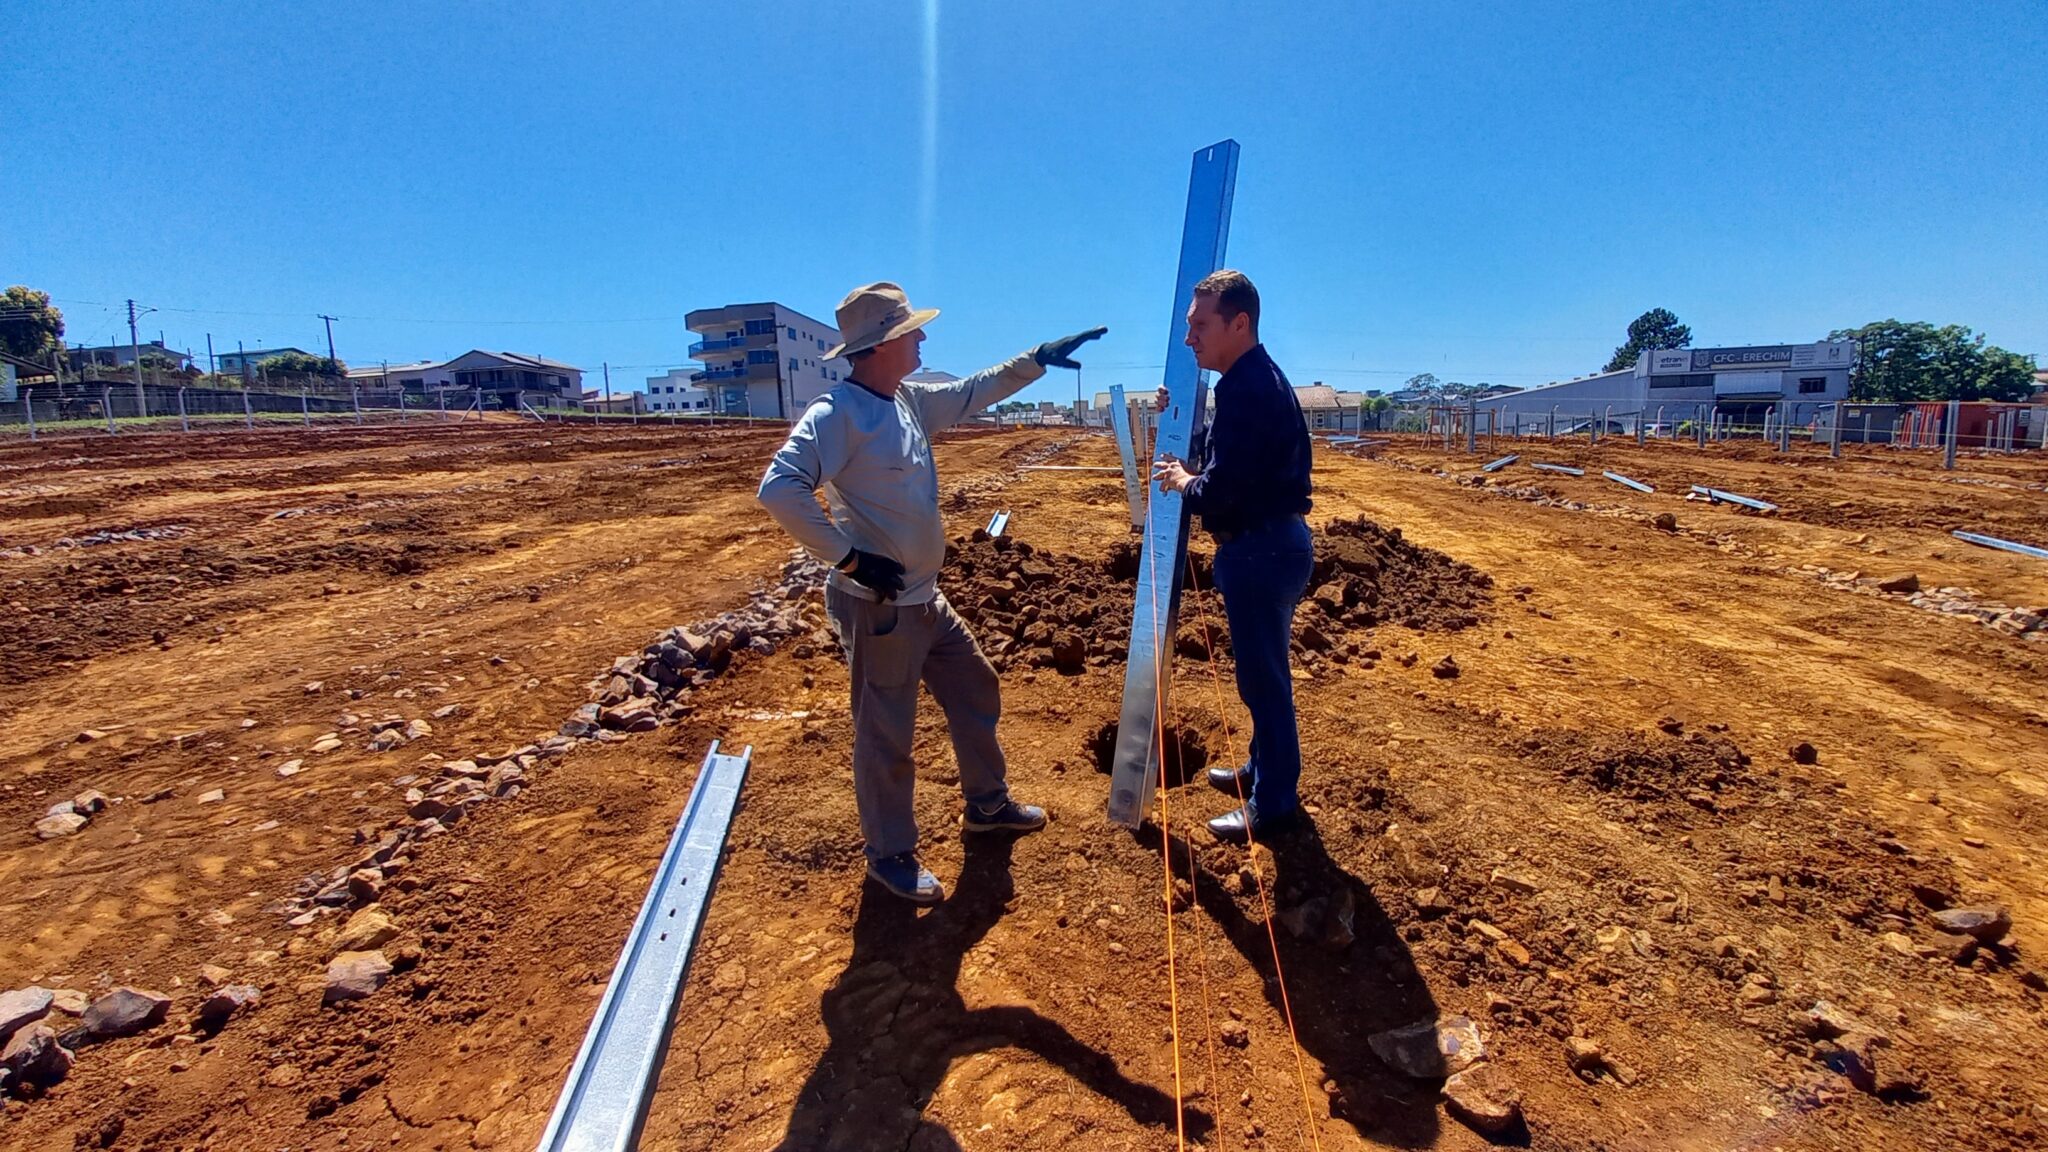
{"x": 731, "y": 344}
{"x": 734, "y": 373}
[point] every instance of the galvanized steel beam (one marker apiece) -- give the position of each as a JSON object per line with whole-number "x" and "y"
{"x": 1134, "y": 485}
{"x": 603, "y": 1105}
{"x": 1205, "y": 233}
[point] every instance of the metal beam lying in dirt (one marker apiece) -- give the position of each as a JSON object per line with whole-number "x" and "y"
{"x": 1732, "y": 498}
{"x": 1068, "y": 468}
{"x": 1497, "y": 465}
{"x": 603, "y": 1105}
{"x": 2004, "y": 545}
{"x": 1205, "y": 233}
{"x": 997, "y": 523}
{"x": 1568, "y": 471}
{"x": 1625, "y": 482}
{"x": 1134, "y": 486}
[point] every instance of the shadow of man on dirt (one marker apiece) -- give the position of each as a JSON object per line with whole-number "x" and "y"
{"x": 1344, "y": 982}
{"x": 896, "y": 1024}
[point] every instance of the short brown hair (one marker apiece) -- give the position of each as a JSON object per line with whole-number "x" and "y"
{"x": 1234, "y": 295}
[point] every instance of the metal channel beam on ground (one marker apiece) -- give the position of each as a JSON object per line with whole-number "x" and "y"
{"x": 1497, "y": 465}
{"x": 1134, "y": 486}
{"x": 1732, "y": 498}
{"x": 2002, "y": 545}
{"x": 604, "y": 1104}
{"x": 997, "y": 523}
{"x": 1561, "y": 468}
{"x": 1625, "y": 482}
{"x": 1205, "y": 233}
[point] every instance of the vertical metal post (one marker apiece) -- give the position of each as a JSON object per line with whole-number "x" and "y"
{"x": 1139, "y": 755}
{"x": 1553, "y": 423}
{"x": 184, "y": 425}
{"x": 1699, "y": 425}
{"x": 1955, "y": 421}
{"x": 1835, "y": 432}
{"x": 1472, "y": 424}
{"x": 1134, "y": 485}
{"x": 1660, "y": 422}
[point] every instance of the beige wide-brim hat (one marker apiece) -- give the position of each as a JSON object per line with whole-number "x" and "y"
{"x": 875, "y": 314}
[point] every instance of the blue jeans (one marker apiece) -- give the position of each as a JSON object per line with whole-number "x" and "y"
{"x": 1262, "y": 575}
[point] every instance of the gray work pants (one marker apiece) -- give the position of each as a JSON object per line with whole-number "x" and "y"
{"x": 889, "y": 649}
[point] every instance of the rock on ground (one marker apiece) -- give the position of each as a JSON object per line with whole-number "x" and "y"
{"x": 1484, "y": 1099}
{"x": 22, "y": 1006}
{"x": 61, "y": 824}
{"x": 215, "y": 1011}
{"x": 1428, "y": 1049}
{"x": 355, "y": 976}
{"x": 366, "y": 930}
{"x": 124, "y": 1012}
{"x": 33, "y": 1056}
{"x": 1987, "y": 924}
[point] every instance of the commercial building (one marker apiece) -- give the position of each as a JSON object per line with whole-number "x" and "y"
{"x": 677, "y": 392}
{"x": 762, "y": 359}
{"x": 1790, "y": 381}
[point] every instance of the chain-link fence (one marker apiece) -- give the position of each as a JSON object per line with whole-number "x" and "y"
{"x": 1945, "y": 426}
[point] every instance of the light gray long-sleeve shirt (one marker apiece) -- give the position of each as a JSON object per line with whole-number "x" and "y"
{"x": 873, "y": 458}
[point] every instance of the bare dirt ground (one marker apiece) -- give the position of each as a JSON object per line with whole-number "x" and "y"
{"x": 1595, "y": 833}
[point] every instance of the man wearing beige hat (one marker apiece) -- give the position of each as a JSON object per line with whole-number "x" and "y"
{"x": 866, "y": 443}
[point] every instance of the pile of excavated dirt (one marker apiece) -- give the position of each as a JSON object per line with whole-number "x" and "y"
{"x": 1036, "y": 608}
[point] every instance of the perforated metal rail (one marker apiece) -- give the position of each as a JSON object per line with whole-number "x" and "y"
{"x": 603, "y": 1105}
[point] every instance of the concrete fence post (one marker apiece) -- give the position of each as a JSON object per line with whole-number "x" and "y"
{"x": 441, "y": 398}
{"x": 1553, "y": 423}
{"x": 355, "y": 400}
{"x": 184, "y": 425}
{"x": 305, "y": 409}
{"x": 1835, "y": 432}
{"x": 401, "y": 406}
{"x": 107, "y": 402}
{"x": 28, "y": 410}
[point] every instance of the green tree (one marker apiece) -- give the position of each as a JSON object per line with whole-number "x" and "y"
{"x": 1422, "y": 382}
{"x": 30, "y": 326}
{"x": 1905, "y": 361}
{"x": 1377, "y": 408}
{"x": 1657, "y": 328}
{"x": 300, "y": 364}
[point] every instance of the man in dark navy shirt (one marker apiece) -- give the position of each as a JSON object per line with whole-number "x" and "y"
{"x": 1251, "y": 494}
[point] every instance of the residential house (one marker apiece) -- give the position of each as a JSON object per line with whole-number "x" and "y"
{"x": 415, "y": 376}
{"x": 122, "y": 355}
{"x": 244, "y": 363}
{"x": 506, "y": 380}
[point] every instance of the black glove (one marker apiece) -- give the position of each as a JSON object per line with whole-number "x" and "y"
{"x": 1060, "y": 353}
{"x": 875, "y": 572}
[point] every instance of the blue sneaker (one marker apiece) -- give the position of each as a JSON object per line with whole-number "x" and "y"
{"x": 903, "y": 876}
{"x": 1009, "y": 816}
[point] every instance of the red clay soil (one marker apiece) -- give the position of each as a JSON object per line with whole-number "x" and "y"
{"x": 1677, "y": 792}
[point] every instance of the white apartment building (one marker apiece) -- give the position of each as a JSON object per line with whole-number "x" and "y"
{"x": 676, "y": 391}
{"x": 762, "y": 359}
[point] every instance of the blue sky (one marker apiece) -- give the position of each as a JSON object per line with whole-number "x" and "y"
{"x": 1483, "y": 191}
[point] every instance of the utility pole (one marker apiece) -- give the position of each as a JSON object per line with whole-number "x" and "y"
{"x": 242, "y": 361}
{"x": 607, "y": 386}
{"x": 212, "y": 366}
{"x": 330, "y": 334}
{"x": 135, "y": 347}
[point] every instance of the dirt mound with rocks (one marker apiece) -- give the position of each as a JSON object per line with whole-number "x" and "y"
{"x": 1035, "y": 608}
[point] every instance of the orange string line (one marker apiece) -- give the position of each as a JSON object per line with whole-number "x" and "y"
{"x": 1265, "y": 908}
